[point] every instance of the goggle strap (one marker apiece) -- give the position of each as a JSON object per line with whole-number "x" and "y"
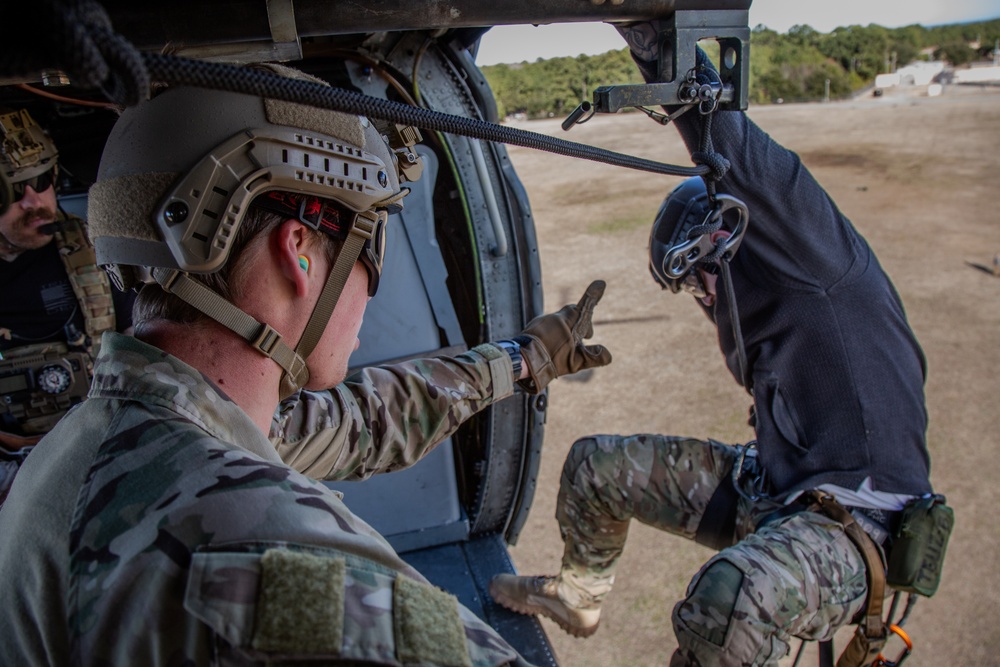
{"x": 361, "y": 231}
{"x": 264, "y": 338}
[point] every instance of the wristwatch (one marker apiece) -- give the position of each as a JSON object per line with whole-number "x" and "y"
{"x": 513, "y": 350}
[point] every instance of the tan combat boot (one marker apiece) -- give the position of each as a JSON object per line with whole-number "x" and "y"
{"x": 540, "y": 595}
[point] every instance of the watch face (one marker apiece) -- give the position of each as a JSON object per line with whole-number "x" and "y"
{"x": 54, "y": 379}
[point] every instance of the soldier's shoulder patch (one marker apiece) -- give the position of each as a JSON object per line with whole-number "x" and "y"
{"x": 285, "y": 601}
{"x": 300, "y": 603}
{"x": 428, "y": 628}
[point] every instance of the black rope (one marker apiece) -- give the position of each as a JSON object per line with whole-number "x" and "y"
{"x": 178, "y": 71}
{"x": 734, "y": 315}
{"x": 77, "y": 37}
{"x": 716, "y": 162}
{"x": 74, "y": 36}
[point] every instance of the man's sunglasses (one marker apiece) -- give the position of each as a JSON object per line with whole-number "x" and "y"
{"x": 39, "y": 184}
{"x": 373, "y": 254}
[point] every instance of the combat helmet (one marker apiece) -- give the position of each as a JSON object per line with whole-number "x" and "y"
{"x": 179, "y": 172}
{"x": 689, "y": 230}
{"x": 27, "y": 155}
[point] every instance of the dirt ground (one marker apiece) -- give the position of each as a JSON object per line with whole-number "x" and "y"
{"x": 918, "y": 177}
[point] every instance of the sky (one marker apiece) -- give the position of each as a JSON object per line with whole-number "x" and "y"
{"x": 512, "y": 44}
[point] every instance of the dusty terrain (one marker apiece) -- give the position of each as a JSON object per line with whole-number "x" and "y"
{"x": 918, "y": 177}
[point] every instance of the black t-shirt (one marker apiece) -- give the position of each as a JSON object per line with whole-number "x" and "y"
{"x": 37, "y": 302}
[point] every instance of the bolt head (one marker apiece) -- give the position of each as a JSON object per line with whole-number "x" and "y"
{"x": 175, "y": 213}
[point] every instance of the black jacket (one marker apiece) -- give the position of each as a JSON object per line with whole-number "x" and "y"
{"x": 838, "y": 376}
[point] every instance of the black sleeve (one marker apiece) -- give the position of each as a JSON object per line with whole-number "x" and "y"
{"x": 795, "y": 228}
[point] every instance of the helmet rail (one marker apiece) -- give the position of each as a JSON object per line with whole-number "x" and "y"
{"x": 199, "y": 217}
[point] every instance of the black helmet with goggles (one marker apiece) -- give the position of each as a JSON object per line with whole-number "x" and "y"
{"x": 690, "y": 230}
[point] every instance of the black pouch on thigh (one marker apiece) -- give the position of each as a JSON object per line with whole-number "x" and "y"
{"x": 917, "y": 554}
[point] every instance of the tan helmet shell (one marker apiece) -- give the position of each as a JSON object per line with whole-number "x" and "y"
{"x": 179, "y": 171}
{"x": 26, "y": 150}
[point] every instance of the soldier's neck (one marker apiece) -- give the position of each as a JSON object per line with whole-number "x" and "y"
{"x": 247, "y": 377}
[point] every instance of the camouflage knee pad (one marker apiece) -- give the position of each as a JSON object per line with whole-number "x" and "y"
{"x": 801, "y": 577}
{"x": 713, "y": 627}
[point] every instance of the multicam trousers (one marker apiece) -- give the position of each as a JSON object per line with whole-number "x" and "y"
{"x": 799, "y": 576}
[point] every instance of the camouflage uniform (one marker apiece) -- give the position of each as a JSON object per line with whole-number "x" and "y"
{"x": 348, "y": 433}
{"x": 800, "y": 576}
{"x": 156, "y": 525}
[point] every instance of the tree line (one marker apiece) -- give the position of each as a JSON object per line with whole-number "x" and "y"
{"x": 800, "y": 65}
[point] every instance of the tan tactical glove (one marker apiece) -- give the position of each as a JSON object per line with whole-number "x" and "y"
{"x": 556, "y": 346}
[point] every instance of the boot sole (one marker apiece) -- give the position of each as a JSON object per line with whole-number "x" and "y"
{"x": 533, "y": 610}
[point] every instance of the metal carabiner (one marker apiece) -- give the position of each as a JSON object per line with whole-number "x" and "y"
{"x": 681, "y": 257}
{"x": 706, "y": 94}
{"x": 880, "y": 661}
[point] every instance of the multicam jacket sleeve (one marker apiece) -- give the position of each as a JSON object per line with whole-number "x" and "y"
{"x": 387, "y": 418}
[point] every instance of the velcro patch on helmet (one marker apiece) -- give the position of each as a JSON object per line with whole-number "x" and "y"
{"x": 343, "y": 126}
{"x": 300, "y": 604}
{"x": 123, "y": 207}
{"x": 428, "y": 628}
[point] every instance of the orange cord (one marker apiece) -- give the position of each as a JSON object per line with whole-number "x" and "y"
{"x": 68, "y": 100}
{"x": 880, "y": 661}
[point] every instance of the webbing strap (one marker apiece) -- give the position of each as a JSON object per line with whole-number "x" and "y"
{"x": 360, "y": 232}
{"x": 264, "y": 338}
{"x": 717, "y": 527}
{"x": 870, "y": 636}
{"x": 872, "y": 623}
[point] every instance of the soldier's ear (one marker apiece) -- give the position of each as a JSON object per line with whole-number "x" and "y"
{"x": 289, "y": 242}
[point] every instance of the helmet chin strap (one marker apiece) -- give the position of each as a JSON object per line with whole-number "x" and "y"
{"x": 361, "y": 232}
{"x": 262, "y": 336}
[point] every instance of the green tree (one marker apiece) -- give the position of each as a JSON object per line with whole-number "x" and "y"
{"x": 956, "y": 53}
{"x": 554, "y": 87}
{"x": 795, "y": 66}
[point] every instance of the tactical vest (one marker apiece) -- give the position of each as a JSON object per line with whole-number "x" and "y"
{"x": 40, "y": 382}
{"x": 90, "y": 282}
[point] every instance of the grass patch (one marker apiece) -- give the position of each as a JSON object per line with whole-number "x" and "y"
{"x": 622, "y": 224}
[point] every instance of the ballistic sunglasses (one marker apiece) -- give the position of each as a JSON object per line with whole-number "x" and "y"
{"x": 39, "y": 184}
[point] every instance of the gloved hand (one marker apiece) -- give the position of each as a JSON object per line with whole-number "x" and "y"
{"x": 644, "y": 44}
{"x": 556, "y": 346}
